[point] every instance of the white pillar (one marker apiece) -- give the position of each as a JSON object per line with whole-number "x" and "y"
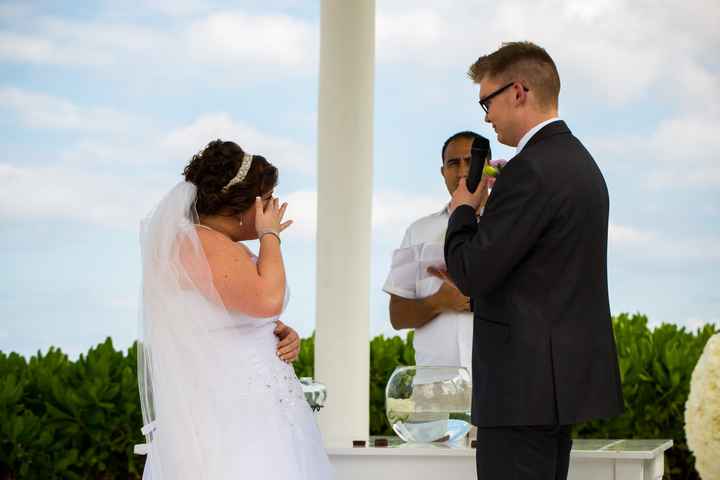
{"x": 345, "y": 148}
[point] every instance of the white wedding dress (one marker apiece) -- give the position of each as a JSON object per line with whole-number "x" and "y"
{"x": 217, "y": 401}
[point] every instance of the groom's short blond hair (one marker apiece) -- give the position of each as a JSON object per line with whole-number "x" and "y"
{"x": 523, "y": 62}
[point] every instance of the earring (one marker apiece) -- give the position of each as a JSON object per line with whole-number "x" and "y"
{"x": 241, "y": 220}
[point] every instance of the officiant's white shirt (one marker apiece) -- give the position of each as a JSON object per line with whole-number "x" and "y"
{"x": 446, "y": 339}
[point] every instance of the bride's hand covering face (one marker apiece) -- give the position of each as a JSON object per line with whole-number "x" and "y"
{"x": 269, "y": 216}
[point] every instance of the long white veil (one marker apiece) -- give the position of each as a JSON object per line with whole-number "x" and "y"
{"x": 176, "y": 369}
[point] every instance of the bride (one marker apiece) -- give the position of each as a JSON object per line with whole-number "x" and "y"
{"x": 220, "y": 399}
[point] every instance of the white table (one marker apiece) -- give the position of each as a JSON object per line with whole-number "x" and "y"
{"x": 589, "y": 460}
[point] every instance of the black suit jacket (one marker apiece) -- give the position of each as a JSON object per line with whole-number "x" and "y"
{"x": 535, "y": 267}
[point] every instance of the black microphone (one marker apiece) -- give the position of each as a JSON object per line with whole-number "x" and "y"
{"x": 478, "y": 153}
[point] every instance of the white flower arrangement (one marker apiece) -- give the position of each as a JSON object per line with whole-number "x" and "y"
{"x": 702, "y": 412}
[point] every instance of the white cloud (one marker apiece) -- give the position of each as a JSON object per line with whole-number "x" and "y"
{"x": 619, "y": 49}
{"x": 141, "y": 142}
{"x": 616, "y": 49}
{"x": 25, "y": 48}
{"x": 622, "y": 236}
{"x": 667, "y": 246}
{"x": 394, "y": 211}
{"x": 302, "y": 210}
{"x": 110, "y": 39}
{"x": 39, "y": 110}
{"x": 688, "y": 148}
{"x": 404, "y": 35}
{"x": 52, "y": 193}
{"x": 53, "y": 41}
{"x": 287, "y": 155}
{"x": 92, "y": 153}
{"x": 680, "y": 152}
{"x": 173, "y": 8}
{"x": 254, "y": 41}
{"x": 221, "y": 46}
{"x": 686, "y": 176}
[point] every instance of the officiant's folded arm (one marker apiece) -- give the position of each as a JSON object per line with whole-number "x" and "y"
{"x": 410, "y": 312}
{"x": 480, "y": 255}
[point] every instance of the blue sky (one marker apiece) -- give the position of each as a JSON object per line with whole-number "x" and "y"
{"x": 102, "y": 104}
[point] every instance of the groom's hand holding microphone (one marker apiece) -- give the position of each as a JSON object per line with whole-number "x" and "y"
{"x": 477, "y": 199}
{"x": 474, "y": 187}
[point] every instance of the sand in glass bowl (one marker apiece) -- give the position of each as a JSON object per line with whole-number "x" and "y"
{"x": 429, "y": 404}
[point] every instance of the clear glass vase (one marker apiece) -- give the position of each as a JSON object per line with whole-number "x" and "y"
{"x": 429, "y": 404}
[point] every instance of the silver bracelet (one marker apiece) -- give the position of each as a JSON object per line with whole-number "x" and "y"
{"x": 262, "y": 233}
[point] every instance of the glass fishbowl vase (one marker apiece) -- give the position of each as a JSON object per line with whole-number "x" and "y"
{"x": 429, "y": 404}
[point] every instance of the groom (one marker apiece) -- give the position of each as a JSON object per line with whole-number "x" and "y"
{"x": 535, "y": 266}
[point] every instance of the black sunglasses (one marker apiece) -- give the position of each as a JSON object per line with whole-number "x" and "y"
{"x": 485, "y": 102}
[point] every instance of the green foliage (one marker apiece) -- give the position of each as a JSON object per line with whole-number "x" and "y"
{"x": 306, "y": 358}
{"x": 70, "y": 420}
{"x": 655, "y": 366}
{"x": 61, "y": 419}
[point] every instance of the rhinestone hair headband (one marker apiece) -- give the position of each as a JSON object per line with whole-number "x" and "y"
{"x": 242, "y": 172}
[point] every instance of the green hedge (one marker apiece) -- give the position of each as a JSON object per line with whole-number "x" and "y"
{"x": 62, "y": 419}
{"x": 656, "y": 366}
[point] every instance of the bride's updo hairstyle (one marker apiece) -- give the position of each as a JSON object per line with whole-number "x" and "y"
{"x": 214, "y": 167}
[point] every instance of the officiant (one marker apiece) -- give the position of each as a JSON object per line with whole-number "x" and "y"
{"x": 419, "y": 299}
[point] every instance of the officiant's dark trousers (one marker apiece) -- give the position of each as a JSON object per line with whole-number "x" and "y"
{"x": 523, "y": 453}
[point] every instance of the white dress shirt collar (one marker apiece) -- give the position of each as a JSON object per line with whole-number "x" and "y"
{"x": 526, "y": 138}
